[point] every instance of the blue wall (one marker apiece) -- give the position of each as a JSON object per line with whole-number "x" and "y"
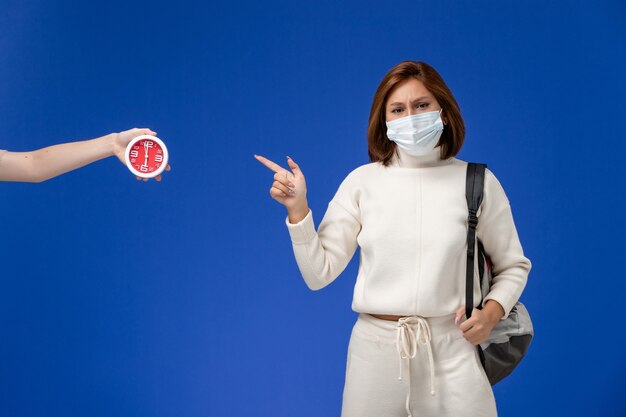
{"x": 182, "y": 298}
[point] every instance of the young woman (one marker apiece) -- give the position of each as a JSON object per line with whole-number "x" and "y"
{"x": 46, "y": 163}
{"x": 410, "y": 352}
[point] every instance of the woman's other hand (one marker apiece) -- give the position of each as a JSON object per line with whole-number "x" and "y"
{"x": 478, "y": 327}
{"x": 288, "y": 188}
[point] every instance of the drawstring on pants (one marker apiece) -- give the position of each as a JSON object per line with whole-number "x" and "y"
{"x": 407, "y": 342}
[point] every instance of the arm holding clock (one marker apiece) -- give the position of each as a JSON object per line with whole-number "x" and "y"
{"x": 43, "y": 164}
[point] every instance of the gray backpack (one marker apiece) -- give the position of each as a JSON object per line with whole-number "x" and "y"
{"x": 511, "y": 337}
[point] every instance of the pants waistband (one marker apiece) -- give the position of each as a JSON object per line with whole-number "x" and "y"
{"x": 385, "y": 330}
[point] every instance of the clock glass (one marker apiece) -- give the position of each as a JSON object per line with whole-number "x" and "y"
{"x": 146, "y": 156}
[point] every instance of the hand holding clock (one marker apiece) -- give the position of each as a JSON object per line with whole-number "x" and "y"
{"x": 49, "y": 162}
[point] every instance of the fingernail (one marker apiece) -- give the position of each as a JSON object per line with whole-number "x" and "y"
{"x": 291, "y": 185}
{"x": 292, "y": 192}
{"x": 288, "y": 157}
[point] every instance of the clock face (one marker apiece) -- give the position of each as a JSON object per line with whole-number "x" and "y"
{"x": 146, "y": 156}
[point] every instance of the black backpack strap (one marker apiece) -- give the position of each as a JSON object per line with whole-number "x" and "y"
{"x": 481, "y": 269}
{"x": 474, "y": 182}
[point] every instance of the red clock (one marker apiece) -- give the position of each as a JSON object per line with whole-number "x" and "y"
{"x": 146, "y": 156}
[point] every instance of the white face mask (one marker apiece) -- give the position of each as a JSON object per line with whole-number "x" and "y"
{"x": 417, "y": 134}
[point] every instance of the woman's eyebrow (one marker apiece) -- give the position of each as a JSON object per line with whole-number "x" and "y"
{"x": 397, "y": 103}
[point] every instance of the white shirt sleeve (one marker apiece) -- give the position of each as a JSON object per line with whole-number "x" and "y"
{"x": 496, "y": 230}
{"x": 323, "y": 255}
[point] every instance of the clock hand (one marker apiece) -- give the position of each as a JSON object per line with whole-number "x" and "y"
{"x": 145, "y": 146}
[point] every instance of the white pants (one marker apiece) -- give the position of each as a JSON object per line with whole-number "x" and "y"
{"x": 419, "y": 367}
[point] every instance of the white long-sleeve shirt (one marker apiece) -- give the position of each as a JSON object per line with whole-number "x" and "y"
{"x": 410, "y": 221}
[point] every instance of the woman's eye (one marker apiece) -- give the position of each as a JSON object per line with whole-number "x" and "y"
{"x": 396, "y": 111}
{"x": 422, "y": 105}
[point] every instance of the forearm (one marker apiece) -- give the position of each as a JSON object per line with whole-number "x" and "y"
{"x": 323, "y": 255}
{"x": 49, "y": 162}
{"x": 58, "y": 159}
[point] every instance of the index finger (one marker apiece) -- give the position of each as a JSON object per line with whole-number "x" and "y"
{"x": 271, "y": 165}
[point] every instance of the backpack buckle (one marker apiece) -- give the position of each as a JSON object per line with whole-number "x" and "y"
{"x": 472, "y": 220}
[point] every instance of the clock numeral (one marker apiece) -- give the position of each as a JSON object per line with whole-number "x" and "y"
{"x": 133, "y": 160}
{"x": 158, "y": 158}
{"x": 160, "y": 151}
{"x": 148, "y": 145}
{"x": 135, "y": 146}
{"x": 143, "y": 168}
{"x": 134, "y": 154}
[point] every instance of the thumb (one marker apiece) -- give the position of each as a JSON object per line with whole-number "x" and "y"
{"x": 459, "y": 314}
{"x": 294, "y": 167}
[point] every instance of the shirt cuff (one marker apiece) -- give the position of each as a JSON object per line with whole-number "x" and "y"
{"x": 303, "y": 231}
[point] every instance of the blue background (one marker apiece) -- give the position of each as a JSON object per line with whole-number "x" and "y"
{"x": 182, "y": 298}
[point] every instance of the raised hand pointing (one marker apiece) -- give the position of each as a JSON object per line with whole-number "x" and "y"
{"x": 288, "y": 188}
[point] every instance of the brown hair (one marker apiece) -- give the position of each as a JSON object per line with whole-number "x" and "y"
{"x": 379, "y": 147}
